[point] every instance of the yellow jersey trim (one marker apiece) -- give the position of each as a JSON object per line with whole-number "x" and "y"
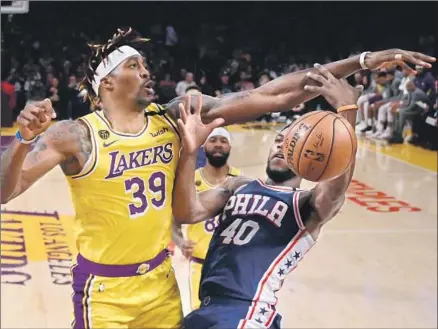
{"x": 232, "y": 172}
{"x": 108, "y": 124}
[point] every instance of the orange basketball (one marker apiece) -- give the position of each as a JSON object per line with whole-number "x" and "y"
{"x": 320, "y": 146}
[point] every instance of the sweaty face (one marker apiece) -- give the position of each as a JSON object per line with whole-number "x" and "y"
{"x": 217, "y": 150}
{"x": 130, "y": 81}
{"x": 277, "y": 168}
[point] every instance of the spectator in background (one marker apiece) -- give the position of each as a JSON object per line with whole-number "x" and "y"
{"x": 166, "y": 89}
{"x": 206, "y": 89}
{"x": 53, "y": 95}
{"x": 8, "y": 101}
{"x": 380, "y": 90}
{"x": 193, "y": 90}
{"x": 391, "y": 92}
{"x": 363, "y": 102}
{"x": 245, "y": 82}
{"x": 225, "y": 87}
{"x": 417, "y": 104}
{"x": 264, "y": 78}
{"x": 426, "y": 82}
{"x": 358, "y": 79}
{"x": 184, "y": 84}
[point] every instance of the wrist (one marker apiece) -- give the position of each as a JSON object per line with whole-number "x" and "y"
{"x": 343, "y": 103}
{"x": 364, "y": 60}
{"x": 189, "y": 153}
{"x": 23, "y": 140}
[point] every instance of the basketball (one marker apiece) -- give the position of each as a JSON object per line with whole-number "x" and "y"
{"x": 320, "y": 146}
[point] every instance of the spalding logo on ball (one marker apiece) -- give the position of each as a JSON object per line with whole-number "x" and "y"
{"x": 320, "y": 146}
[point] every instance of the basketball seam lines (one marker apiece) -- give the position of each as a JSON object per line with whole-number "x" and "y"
{"x": 353, "y": 156}
{"x": 299, "y": 156}
{"x": 331, "y": 150}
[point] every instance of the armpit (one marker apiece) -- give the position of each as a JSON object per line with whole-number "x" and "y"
{"x": 79, "y": 147}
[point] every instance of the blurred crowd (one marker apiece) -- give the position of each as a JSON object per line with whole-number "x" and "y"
{"x": 394, "y": 101}
{"x": 216, "y": 55}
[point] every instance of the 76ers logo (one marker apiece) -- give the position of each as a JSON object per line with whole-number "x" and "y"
{"x": 211, "y": 224}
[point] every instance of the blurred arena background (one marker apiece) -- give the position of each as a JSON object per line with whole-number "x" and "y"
{"x": 383, "y": 271}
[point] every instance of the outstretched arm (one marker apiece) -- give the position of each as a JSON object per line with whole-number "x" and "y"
{"x": 188, "y": 206}
{"x": 287, "y": 91}
{"x": 20, "y": 167}
{"x": 325, "y": 200}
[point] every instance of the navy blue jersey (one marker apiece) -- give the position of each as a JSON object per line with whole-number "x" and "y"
{"x": 259, "y": 240}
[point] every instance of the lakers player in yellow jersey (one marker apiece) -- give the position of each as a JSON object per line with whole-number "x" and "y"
{"x": 217, "y": 170}
{"x": 120, "y": 163}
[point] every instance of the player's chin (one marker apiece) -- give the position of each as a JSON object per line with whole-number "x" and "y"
{"x": 278, "y": 164}
{"x": 144, "y": 100}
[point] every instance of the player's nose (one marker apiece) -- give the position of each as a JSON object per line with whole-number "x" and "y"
{"x": 144, "y": 74}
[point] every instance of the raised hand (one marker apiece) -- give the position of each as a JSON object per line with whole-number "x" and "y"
{"x": 338, "y": 92}
{"x": 387, "y": 58}
{"x": 193, "y": 131}
{"x": 34, "y": 119}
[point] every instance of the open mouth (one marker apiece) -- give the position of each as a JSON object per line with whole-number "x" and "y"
{"x": 279, "y": 156}
{"x": 148, "y": 87}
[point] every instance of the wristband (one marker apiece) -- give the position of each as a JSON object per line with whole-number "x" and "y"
{"x": 347, "y": 108}
{"x": 362, "y": 60}
{"x": 22, "y": 140}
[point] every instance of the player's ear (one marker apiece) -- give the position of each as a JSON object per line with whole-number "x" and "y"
{"x": 107, "y": 83}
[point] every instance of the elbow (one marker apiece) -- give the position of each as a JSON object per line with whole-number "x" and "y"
{"x": 179, "y": 219}
{"x": 180, "y": 216}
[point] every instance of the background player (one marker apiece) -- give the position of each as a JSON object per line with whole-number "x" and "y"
{"x": 120, "y": 165}
{"x": 217, "y": 170}
{"x": 265, "y": 227}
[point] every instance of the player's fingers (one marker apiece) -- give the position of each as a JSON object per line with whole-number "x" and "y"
{"x": 48, "y": 108}
{"x": 317, "y": 77}
{"x": 313, "y": 89}
{"x": 216, "y": 123}
{"x": 32, "y": 118}
{"x": 39, "y": 112}
{"x": 182, "y": 112}
{"x": 406, "y": 67}
{"x": 324, "y": 72}
{"x": 188, "y": 104}
{"x": 418, "y": 58}
{"x": 198, "y": 104}
{"x": 23, "y": 121}
{"x": 181, "y": 127}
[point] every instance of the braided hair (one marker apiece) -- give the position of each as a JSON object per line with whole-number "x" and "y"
{"x": 126, "y": 37}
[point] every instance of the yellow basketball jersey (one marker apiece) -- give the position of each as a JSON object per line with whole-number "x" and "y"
{"x": 201, "y": 233}
{"x": 123, "y": 195}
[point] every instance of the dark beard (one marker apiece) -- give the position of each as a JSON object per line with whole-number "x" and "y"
{"x": 279, "y": 176}
{"x": 217, "y": 161}
{"x": 143, "y": 102}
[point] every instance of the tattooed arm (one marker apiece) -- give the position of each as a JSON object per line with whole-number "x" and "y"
{"x": 66, "y": 143}
{"x": 285, "y": 92}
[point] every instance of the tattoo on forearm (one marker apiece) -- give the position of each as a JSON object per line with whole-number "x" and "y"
{"x": 35, "y": 154}
{"x": 208, "y": 103}
{"x": 5, "y": 162}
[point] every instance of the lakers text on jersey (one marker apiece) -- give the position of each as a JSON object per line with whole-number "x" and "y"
{"x": 123, "y": 195}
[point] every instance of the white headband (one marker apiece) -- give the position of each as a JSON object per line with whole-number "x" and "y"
{"x": 220, "y": 132}
{"x": 110, "y": 63}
